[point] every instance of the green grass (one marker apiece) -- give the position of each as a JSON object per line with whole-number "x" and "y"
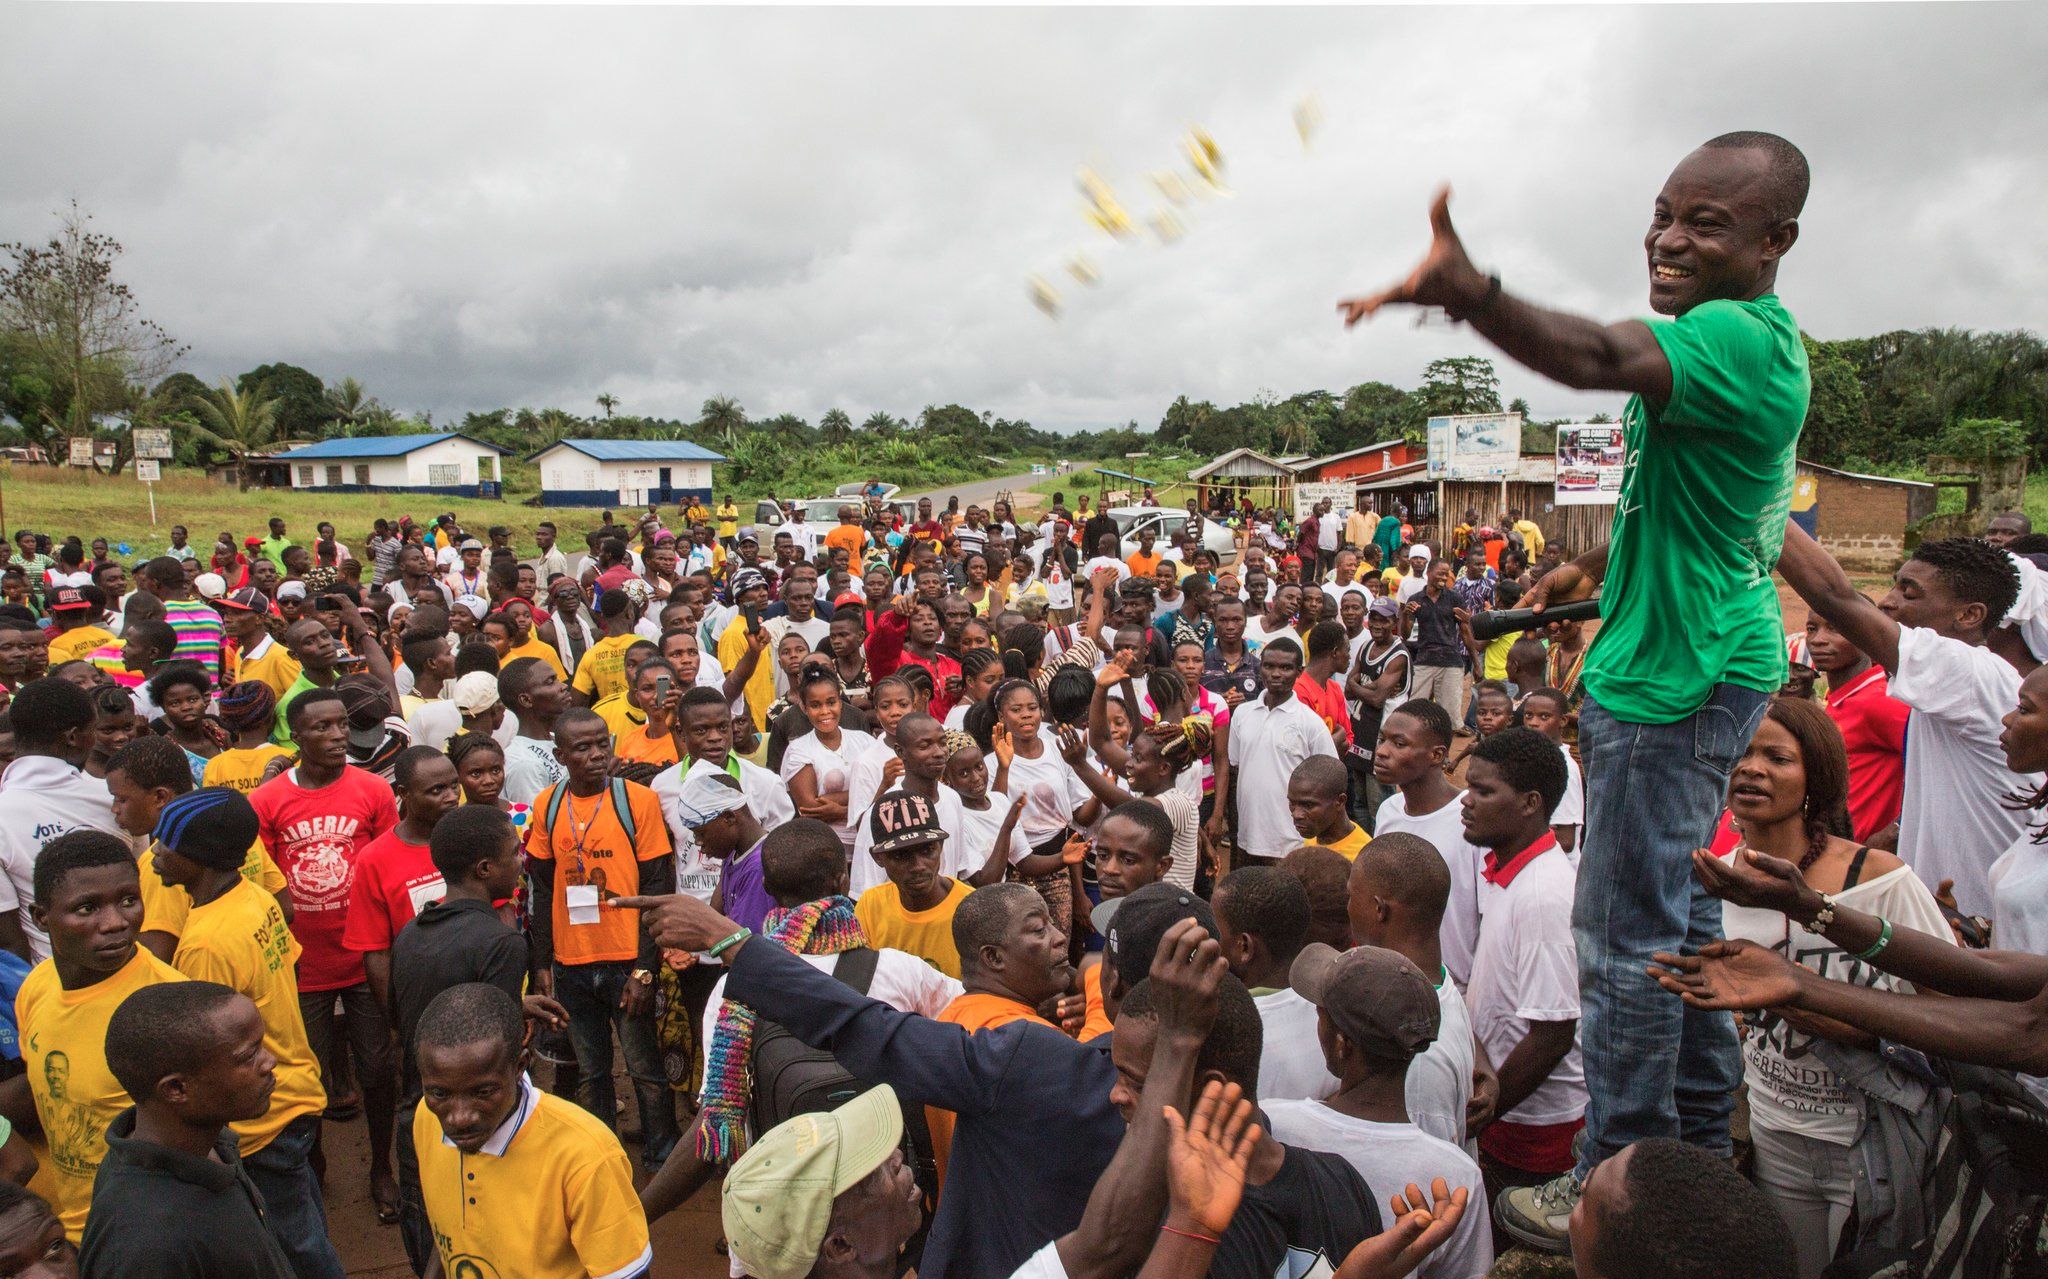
{"x": 1169, "y": 469}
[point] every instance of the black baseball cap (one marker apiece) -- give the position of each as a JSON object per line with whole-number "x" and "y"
{"x": 1133, "y": 925}
{"x": 900, "y": 819}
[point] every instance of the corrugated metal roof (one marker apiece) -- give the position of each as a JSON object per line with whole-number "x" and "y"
{"x": 638, "y": 450}
{"x": 1243, "y": 463}
{"x": 378, "y": 446}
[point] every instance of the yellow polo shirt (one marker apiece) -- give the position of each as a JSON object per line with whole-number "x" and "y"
{"x": 165, "y": 907}
{"x": 550, "y": 1196}
{"x": 620, "y": 715}
{"x": 270, "y": 663}
{"x": 602, "y": 672}
{"x": 64, "y": 1044}
{"x": 927, "y": 934}
{"x": 240, "y": 940}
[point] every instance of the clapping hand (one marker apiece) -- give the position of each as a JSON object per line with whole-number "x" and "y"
{"x": 1206, "y": 1159}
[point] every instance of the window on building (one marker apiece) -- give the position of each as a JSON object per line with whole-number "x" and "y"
{"x": 444, "y": 474}
{"x": 334, "y": 474}
{"x": 305, "y": 477}
{"x": 362, "y": 473}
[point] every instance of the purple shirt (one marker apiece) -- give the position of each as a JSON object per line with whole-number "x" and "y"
{"x": 747, "y": 903}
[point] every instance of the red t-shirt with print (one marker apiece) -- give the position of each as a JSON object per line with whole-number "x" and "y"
{"x": 316, "y": 837}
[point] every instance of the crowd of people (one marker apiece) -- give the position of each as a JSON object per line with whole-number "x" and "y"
{"x": 976, "y": 892}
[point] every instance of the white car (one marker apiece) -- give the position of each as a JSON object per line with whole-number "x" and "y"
{"x": 1164, "y": 522}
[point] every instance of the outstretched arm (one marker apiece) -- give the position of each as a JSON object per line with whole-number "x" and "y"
{"x": 1583, "y": 354}
{"x": 1826, "y": 589}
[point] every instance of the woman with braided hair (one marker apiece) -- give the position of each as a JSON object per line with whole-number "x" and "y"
{"x": 1810, "y": 1080}
{"x": 248, "y": 710}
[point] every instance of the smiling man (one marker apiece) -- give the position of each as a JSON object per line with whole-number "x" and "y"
{"x": 1718, "y": 396}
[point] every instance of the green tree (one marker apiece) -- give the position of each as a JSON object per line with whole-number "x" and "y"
{"x": 881, "y": 425}
{"x": 1837, "y": 416}
{"x": 607, "y": 402}
{"x": 302, "y": 408}
{"x": 349, "y": 406}
{"x": 835, "y": 427}
{"x": 1463, "y": 384}
{"x": 555, "y": 425}
{"x": 1374, "y": 412}
{"x": 75, "y": 335}
{"x": 236, "y": 421}
{"x": 723, "y": 420}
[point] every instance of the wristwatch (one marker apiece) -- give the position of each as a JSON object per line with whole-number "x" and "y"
{"x": 644, "y": 976}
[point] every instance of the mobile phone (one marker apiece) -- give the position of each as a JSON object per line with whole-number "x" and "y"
{"x": 753, "y": 616}
{"x": 662, "y": 683}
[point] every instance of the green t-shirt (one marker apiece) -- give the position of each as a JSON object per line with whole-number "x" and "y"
{"x": 1688, "y": 598}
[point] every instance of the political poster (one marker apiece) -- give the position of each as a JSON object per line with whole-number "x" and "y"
{"x": 1590, "y": 459}
{"x": 1341, "y": 494}
{"x": 1474, "y": 446}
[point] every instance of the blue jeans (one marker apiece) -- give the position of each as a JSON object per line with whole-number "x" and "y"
{"x": 291, "y": 1197}
{"x": 590, "y": 993}
{"x": 1654, "y": 1067}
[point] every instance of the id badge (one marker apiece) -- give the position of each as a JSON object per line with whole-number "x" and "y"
{"x": 582, "y": 902}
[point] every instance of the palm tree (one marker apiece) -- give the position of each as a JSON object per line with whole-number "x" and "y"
{"x": 835, "y": 427}
{"x": 555, "y": 424}
{"x": 238, "y": 422}
{"x": 880, "y": 423}
{"x": 350, "y": 405}
{"x": 724, "y": 420}
{"x": 607, "y": 402}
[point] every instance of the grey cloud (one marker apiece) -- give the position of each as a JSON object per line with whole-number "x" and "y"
{"x": 472, "y": 206}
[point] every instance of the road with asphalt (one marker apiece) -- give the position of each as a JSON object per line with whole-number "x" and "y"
{"x": 979, "y": 492}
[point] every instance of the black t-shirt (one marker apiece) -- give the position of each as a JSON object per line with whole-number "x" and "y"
{"x": 1317, "y": 1205}
{"x": 1438, "y": 641}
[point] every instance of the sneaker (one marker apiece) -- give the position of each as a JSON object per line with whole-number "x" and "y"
{"x": 1539, "y": 1216}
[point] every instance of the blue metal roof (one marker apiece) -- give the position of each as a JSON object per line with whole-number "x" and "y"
{"x": 638, "y": 450}
{"x": 378, "y": 446}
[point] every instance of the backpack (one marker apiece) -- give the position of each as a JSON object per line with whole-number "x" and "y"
{"x": 620, "y": 806}
{"x": 792, "y": 1078}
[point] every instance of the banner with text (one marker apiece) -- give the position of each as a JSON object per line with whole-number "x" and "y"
{"x": 1589, "y": 464}
{"x": 1474, "y": 446}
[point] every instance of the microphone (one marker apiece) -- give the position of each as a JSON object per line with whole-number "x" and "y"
{"x": 1492, "y": 625}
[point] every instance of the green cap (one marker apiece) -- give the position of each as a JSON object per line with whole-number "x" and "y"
{"x": 777, "y": 1201}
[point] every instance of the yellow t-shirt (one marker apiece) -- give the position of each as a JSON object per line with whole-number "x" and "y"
{"x": 759, "y": 689}
{"x": 166, "y": 907}
{"x": 555, "y": 1201}
{"x": 602, "y": 672}
{"x": 535, "y": 647}
{"x": 927, "y": 934}
{"x": 728, "y": 520}
{"x": 76, "y": 645}
{"x": 276, "y": 667}
{"x": 1494, "y": 662}
{"x": 64, "y": 1044}
{"x": 240, "y": 940}
{"x": 620, "y": 715}
{"x": 242, "y": 768}
{"x": 1351, "y": 844}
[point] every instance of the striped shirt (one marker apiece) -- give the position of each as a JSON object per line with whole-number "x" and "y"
{"x": 199, "y": 633}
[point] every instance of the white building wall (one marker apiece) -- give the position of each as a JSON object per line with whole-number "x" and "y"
{"x": 563, "y": 469}
{"x": 422, "y": 468}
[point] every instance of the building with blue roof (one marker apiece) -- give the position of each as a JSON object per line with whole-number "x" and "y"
{"x": 624, "y": 472}
{"x": 450, "y": 464}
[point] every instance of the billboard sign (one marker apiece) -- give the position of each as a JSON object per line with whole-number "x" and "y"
{"x": 1342, "y": 496}
{"x": 1590, "y": 461}
{"x": 1474, "y": 446}
{"x": 148, "y": 470}
{"x": 153, "y": 442}
{"x": 81, "y": 450}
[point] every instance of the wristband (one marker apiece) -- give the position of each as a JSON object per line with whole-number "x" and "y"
{"x": 1189, "y": 1234}
{"x": 1823, "y": 919}
{"x": 728, "y": 943}
{"x": 1486, "y": 300}
{"x": 1884, "y": 939}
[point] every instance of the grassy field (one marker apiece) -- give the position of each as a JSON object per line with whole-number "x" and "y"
{"x": 1171, "y": 470}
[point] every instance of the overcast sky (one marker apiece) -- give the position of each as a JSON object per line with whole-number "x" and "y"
{"x": 473, "y": 207}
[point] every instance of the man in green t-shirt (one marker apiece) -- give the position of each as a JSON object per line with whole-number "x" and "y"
{"x": 1691, "y": 647}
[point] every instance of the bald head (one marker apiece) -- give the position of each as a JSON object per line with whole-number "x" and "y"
{"x": 1405, "y": 869}
{"x": 1788, "y": 176}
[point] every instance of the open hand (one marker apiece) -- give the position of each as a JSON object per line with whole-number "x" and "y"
{"x": 1729, "y": 976}
{"x": 1074, "y": 850}
{"x": 999, "y": 742}
{"x": 1446, "y": 278}
{"x": 1206, "y": 1158}
{"x": 1420, "y": 1227}
{"x": 1073, "y": 748}
{"x": 1749, "y": 878}
{"x": 1561, "y": 585}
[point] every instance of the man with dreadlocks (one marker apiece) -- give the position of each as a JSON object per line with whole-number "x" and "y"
{"x": 804, "y": 868}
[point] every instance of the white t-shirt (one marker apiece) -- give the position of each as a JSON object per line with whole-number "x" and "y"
{"x": 971, "y": 833}
{"x": 2019, "y": 902}
{"x": 1255, "y": 632}
{"x": 1527, "y": 970}
{"x": 1097, "y": 563}
{"x": 1267, "y": 744}
{"x": 1291, "y": 1063}
{"x": 1953, "y": 824}
{"x": 1184, "y": 810}
{"x": 1392, "y": 1157}
{"x": 1790, "y": 1088}
{"x": 1059, "y": 588}
{"x": 767, "y": 799}
{"x": 1571, "y": 810}
{"x": 1439, "y": 1082}
{"x": 530, "y": 768}
{"x": 1445, "y": 831}
{"x": 1043, "y": 1264}
{"x": 833, "y": 768}
{"x": 1047, "y": 788}
{"x": 42, "y": 797}
{"x": 902, "y": 981}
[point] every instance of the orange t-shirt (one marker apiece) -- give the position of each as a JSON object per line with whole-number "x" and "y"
{"x": 1141, "y": 564}
{"x": 1096, "y": 1021}
{"x": 976, "y": 1012}
{"x": 589, "y": 847}
{"x": 635, "y": 746}
{"x": 850, "y": 536}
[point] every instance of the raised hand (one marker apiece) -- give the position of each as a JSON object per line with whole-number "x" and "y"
{"x": 1073, "y": 747}
{"x": 1749, "y": 878}
{"x": 1445, "y": 278}
{"x": 1004, "y": 748}
{"x": 1206, "y": 1159}
{"x": 1074, "y": 850}
{"x": 1112, "y": 673}
{"x": 1186, "y": 972}
{"x": 1420, "y": 1227}
{"x": 1729, "y": 976}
